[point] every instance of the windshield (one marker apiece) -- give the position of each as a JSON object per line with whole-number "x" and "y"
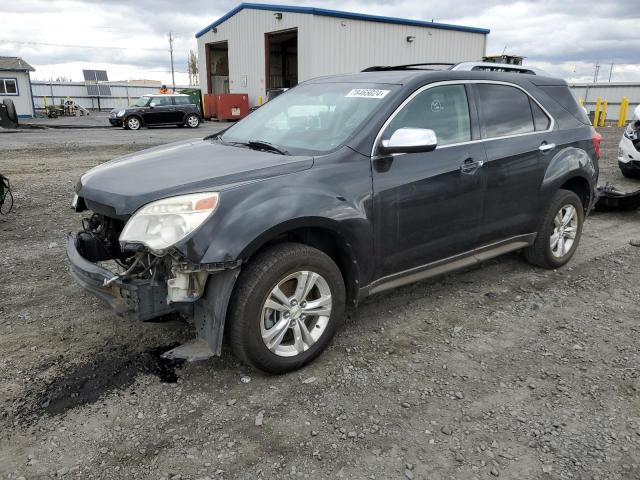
{"x": 311, "y": 118}
{"x": 142, "y": 102}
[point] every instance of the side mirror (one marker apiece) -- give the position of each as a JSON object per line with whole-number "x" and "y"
{"x": 410, "y": 140}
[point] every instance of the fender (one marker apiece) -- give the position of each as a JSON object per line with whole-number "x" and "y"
{"x": 252, "y": 214}
{"x": 568, "y": 163}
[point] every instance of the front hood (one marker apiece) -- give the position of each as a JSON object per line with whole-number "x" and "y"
{"x": 121, "y": 186}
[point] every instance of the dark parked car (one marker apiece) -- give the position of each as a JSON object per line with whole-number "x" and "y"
{"x": 161, "y": 109}
{"x": 340, "y": 188}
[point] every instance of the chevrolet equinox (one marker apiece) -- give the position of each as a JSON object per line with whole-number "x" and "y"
{"x": 340, "y": 188}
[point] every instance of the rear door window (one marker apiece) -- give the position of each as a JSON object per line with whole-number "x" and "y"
{"x": 505, "y": 110}
{"x": 443, "y": 109}
{"x": 161, "y": 101}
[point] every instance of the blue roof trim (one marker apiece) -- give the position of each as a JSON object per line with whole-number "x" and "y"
{"x": 336, "y": 13}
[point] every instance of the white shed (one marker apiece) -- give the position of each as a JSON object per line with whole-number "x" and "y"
{"x": 256, "y": 47}
{"x": 15, "y": 84}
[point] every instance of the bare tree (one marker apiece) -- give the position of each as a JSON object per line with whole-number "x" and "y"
{"x": 192, "y": 68}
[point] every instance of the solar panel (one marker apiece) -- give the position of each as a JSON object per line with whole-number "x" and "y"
{"x": 91, "y": 79}
{"x": 89, "y": 75}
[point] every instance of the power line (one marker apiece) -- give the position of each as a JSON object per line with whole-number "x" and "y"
{"x": 79, "y": 46}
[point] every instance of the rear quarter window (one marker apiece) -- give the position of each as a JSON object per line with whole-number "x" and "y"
{"x": 563, "y": 96}
{"x": 182, "y": 100}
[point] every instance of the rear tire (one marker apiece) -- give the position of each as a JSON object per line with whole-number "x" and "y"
{"x": 278, "y": 332}
{"x": 559, "y": 231}
{"x": 192, "y": 121}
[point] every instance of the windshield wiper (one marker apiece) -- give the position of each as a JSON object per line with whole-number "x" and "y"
{"x": 262, "y": 145}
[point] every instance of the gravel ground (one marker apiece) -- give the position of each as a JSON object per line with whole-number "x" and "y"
{"x": 500, "y": 371}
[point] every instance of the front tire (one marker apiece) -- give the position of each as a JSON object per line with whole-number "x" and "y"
{"x": 286, "y": 307}
{"x": 132, "y": 123}
{"x": 559, "y": 232}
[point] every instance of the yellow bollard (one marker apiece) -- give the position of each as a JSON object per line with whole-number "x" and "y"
{"x": 581, "y": 101}
{"x": 603, "y": 114}
{"x": 622, "y": 116}
{"x": 46, "y": 106}
{"x": 596, "y": 116}
{"x": 128, "y": 101}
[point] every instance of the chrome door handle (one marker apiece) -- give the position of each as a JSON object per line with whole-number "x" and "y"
{"x": 470, "y": 166}
{"x": 545, "y": 147}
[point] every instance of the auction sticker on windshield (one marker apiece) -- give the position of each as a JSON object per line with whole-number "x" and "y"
{"x": 367, "y": 93}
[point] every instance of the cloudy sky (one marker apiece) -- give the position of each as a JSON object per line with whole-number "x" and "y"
{"x": 129, "y": 38}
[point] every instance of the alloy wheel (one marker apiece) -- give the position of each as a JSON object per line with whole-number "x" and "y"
{"x": 296, "y": 313}
{"x": 565, "y": 229}
{"x": 133, "y": 123}
{"x": 193, "y": 121}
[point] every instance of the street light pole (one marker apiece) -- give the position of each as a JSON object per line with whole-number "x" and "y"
{"x": 173, "y": 75}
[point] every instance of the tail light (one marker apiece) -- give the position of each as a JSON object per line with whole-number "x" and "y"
{"x": 596, "y": 138}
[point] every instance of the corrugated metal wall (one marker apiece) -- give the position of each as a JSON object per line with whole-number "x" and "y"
{"x": 328, "y": 45}
{"x": 77, "y": 91}
{"x": 612, "y": 92}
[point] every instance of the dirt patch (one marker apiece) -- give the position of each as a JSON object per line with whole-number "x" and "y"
{"x": 502, "y": 370}
{"x": 114, "y": 369}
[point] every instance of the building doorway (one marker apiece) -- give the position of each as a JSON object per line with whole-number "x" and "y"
{"x": 218, "y": 67}
{"x": 281, "y": 59}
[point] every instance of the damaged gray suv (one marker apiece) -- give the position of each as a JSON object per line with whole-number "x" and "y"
{"x": 340, "y": 188}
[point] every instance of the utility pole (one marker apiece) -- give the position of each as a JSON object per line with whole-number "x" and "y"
{"x": 173, "y": 75}
{"x": 610, "y": 72}
{"x": 595, "y": 74}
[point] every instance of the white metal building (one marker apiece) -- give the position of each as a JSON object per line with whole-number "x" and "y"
{"x": 255, "y": 47}
{"x": 15, "y": 84}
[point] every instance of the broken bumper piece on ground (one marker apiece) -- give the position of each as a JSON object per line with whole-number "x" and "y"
{"x": 610, "y": 198}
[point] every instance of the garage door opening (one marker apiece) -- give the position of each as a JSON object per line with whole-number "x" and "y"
{"x": 218, "y": 67}
{"x": 281, "y": 59}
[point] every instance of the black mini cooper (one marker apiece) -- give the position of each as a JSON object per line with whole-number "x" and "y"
{"x": 158, "y": 109}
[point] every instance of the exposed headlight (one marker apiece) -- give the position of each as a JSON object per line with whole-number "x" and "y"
{"x": 632, "y": 130}
{"x": 120, "y": 113}
{"x": 163, "y": 223}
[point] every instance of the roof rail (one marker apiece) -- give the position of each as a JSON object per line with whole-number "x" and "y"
{"x": 497, "y": 67}
{"x": 412, "y": 66}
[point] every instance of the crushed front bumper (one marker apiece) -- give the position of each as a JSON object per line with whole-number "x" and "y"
{"x": 136, "y": 298}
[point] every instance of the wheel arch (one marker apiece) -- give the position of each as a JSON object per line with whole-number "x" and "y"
{"x": 572, "y": 169}
{"x": 137, "y": 115}
{"x": 580, "y": 186}
{"x": 320, "y": 233}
